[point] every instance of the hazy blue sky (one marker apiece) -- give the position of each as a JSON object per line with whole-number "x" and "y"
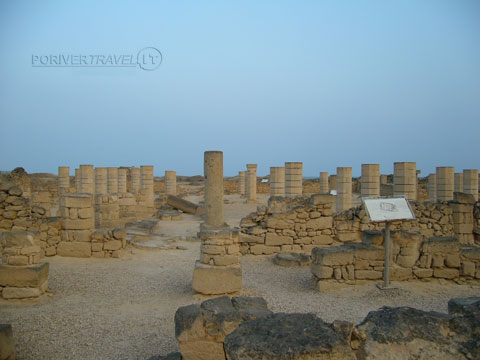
{"x": 329, "y": 83}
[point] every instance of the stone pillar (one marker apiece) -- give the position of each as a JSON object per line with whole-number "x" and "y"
{"x": 87, "y": 182}
{"x": 21, "y": 275}
{"x": 405, "y": 179}
{"x": 383, "y": 179}
{"x": 242, "y": 178}
{"x": 112, "y": 180}
{"x": 135, "y": 179}
{"x": 251, "y": 184}
{"x": 470, "y": 182}
{"x": 277, "y": 181}
{"x": 63, "y": 179}
{"x": 218, "y": 271}
{"x": 170, "y": 182}
{"x": 122, "y": 180}
{"x": 101, "y": 180}
{"x": 445, "y": 183}
{"x": 432, "y": 187}
{"x": 78, "y": 181}
{"x": 332, "y": 180}
{"x": 458, "y": 182}
{"x": 324, "y": 187}
{"x": 293, "y": 179}
{"x": 370, "y": 180}
{"x": 344, "y": 188}
{"x": 146, "y": 183}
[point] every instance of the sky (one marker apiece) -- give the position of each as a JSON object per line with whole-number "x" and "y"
{"x": 329, "y": 83}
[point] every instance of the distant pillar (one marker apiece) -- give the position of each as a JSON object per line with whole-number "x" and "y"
{"x": 146, "y": 179}
{"x": 101, "y": 180}
{"x": 344, "y": 188}
{"x": 370, "y": 180}
{"x": 293, "y": 179}
{"x": 277, "y": 181}
{"x": 242, "y": 178}
{"x": 213, "y": 170}
{"x": 112, "y": 176}
{"x": 251, "y": 184}
{"x": 324, "y": 188}
{"x": 87, "y": 179}
{"x": 170, "y": 182}
{"x": 332, "y": 180}
{"x": 135, "y": 179}
{"x": 445, "y": 183}
{"x": 78, "y": 181}
{"x": 458, "y": 182}
{"x": 63, "y": 179}
{"x": 405, "y": 179}
{"x": 122, "y": 181}
{"x": 470, "y": 182}
{"x": 432, "y": 187}
{"x": 383, "y": 179}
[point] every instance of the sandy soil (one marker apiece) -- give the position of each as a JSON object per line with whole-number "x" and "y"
{"x": 124, "y": 308}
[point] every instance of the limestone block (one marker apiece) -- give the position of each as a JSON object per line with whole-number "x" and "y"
{"x": 321, "y": 240}
{"x": 79, "y": 224}
{"x": 468, "y": 269}
{"x": 423, "y": 273}
{"x": 338, "y": 255}
{"x": 76, "y": 201}
{"x": 74, "y": 249}
{"x": 452, "y": 260}
{"x": 278, "y": 224}
{"x": 213, "y": 280}
{"x": 445, "y": 273}
{"x": 406, "y": 261}
{"x": 17, "y": 239}
{"x": 264, "y": 250}
{"x": 112, "y": 245}
{"x": 20, "y": 293}
{"x": 321, "y": 272}
{"x": 368, "y": 274}
{"x": 369, "y": 253}
{"x": 25, "y": 276}
{"x": 244, "y": 238}
{"x": 400, "y": 273}
{"x": 17, "y": 260}
{"x": 273, "y": 239}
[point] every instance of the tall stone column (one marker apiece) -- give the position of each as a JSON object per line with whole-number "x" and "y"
{"x": 146, "y": 182}
{"x": 242, "y": 178}
{"x": 122, "y": 180}
{"x": 293, "y": 179}
{"x": 405, "y": 179}
{"x": 112, "y": 180}
{"x": 344, "y": 188}
{"x": 324, "y": 187}
{"x": 251, "y": 184}
{"x": 87, "y": 182}
{"x": 170, "y": 182}
{"x": 370, "y": 180}
{"x": 470, "y": 182}
{"x": 78, "y": 181}
{"x": 63, "y": 179}
{"x": 218, "y": 271}
{"x": 445, "y": 183}
{"x": 458, "y": 182}
{"x": 432, "y": 187}
{"x": 277, "y": 181}
{"x": 101, "y": 180}
{"x": 135, "y": 179}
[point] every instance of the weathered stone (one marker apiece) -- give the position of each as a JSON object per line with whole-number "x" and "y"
{"x": 7, "y": 343}
{"x": 400, "y": 273}
{"x": 15, "y": 191}
{"x": 273, "y": 239}
{"x": 452, "y": 260}
{"x": 74, "y": 249}
{"x": 291, "y": 259}
{"x": 468, "y": 269}
{"x": 321, "y": 272}
{"x": 20, "y": 293}
{"x": 28, "y": 276}
{"x": 322, "y": 240}
{"x": 368, "y": 274}
{"x": 446, "y": 273}
{"x": 17, "y": 239}
{"x": 264, "y": 250}
{"x": 338, "y": 255}
{"x": 423, "y": 273}
{"x": 112, "y": 245}
{"x": 406, "y": 261}
{"x": 77, "y": 224}
{"x": 320, "y": 223}
{"x": 213, "y": 280}
{"x": 280, "y": 224}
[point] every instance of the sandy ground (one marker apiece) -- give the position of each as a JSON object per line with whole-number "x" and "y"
{"x": 124, "y": 308}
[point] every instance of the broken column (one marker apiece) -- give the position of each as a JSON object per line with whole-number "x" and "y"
{"x": 134, "y": 179}
{"x": 146, "y": 183}
{"x": 445, "y": 183}
{"x": 324, "y": 187}
{"x": 458, "y": 182}
{"x": 277, "y": 181}
{"x": 87, "y": 179}
{"x": 251, "y": 183}
{"x": 122, "y": 180}
{"x": 241, "y": 182}
{"x": 170, "y": 182}
{"x": 63, "y": 179}
{"x": 344, "y": 188}
{"x": 432, "y": 187}
{"x": 405, "y": 179}
{"x": 470, "y": 182}
{"x": 218, "y": 271}
{"x": 101, "y": 180}
{"x": 293, "y": 179}
{"x": 21, "y": 274}
{"x": 370, "y": 180}
{"x": 112, "y": 180}
{"x": 77, "y": 181}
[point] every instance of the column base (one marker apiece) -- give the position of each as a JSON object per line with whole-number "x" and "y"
{"x": 215, "y": 280}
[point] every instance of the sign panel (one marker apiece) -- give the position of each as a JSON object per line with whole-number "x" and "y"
{"x": 388, "y": 209}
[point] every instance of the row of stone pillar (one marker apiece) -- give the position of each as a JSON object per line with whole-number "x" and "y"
{"x": 445, "y": 182}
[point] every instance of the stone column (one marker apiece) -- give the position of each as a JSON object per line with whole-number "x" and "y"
{"x": 218, "y": 271}
{"x": 87, "y": 182}
{"x": 146, "y": 182}
{"x": 332, "y": 180}
{"x": 383, "y": 179}
{"x": 344, "y": 188}
{"x": 101, "y": 180}
{"x": 370, "y": 180}
{"x": 470, "y": 182}
{"x": 78, "y": 181}
{"x": 293, "y": 179}
{"x": 122, "y": 180}
{"x": 241, "y": 182}
{"x": 405, "y": 179}
{"x": 324, "y": 187}
{"x": 170, "y": 182}
{"x": 112, "y": 180}
{"x": 445, "y": 183}
{"x": 251, "y": 184}
{"x": 135, "y": 179}
{"x": 63, "y": 179}
{"x": 458, "y": 182}
{"x": 277, "y": 181}
{"x": 432, "y": 187}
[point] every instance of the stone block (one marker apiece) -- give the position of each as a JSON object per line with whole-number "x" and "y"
{"x": 264, "y": 250}
{"x": 406, "y": 261}
{"x": 20, "y": 293}
{"x": 112, "y": 245}
{"x": 400, "y": 273}
{"x": 321, "y": 272}
{"x": 321, "y": 223}
{"x": 321, "y": 240}
{"x": 74, "y": 249}
{"x": 212, "y": 280}
{"x": 338, "y": 255}
{"x": 273, "y": 239}
{"x": 441, "y": 245}
{"x": 280, "y": 224}
{"x": 468, "y": 269}
{"x": 244, "y": 238}
{"x": 25, "y": 276}
{"x": 423, "y": 273}
{"x": 370, "y": 253}
{"x": 78, "y": 224}
{"x": 368, "y": 274}
{"x": 85, "y": 213}
{"x": 17, "y": 260}
{"x": 76, "y": 200}
{"x": 452, "y": 260}
{"x": 17, "y": 239}
{"x": 446, "y": 273}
